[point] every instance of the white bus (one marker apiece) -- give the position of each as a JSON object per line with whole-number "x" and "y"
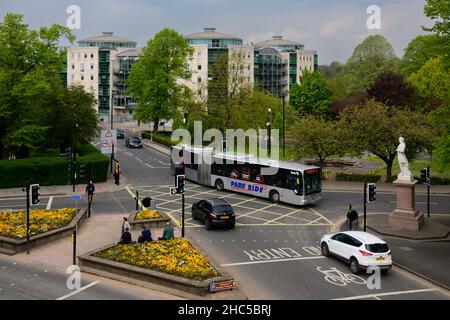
{"x": 293, "y": 183}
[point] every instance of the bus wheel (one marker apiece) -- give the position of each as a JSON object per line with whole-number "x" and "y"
{"x": 274, "y": 196}
{"x": 219, "y": 184}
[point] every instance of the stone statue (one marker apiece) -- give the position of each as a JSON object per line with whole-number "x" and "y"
{"x": 405, "y": 174}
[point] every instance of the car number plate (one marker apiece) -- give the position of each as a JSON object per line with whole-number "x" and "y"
{"x": 224, "y": 217}
{"x": 380, "y": 259}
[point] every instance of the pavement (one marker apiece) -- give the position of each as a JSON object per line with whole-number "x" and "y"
{"x": 429, "y": 260}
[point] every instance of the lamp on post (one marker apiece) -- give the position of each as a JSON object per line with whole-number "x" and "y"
{"x": 284, "y": 132}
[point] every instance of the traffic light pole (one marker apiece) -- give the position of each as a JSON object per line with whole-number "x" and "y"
{"x": 28, "y": 219}
{"x": 112, "y": 157}
{"x": 182, "y": 215}
{"x": 89, "y": 196}
{"x": 365, "y": 206}
{"x": 137, "y": 200}
{"x": 75, "y": 245}
{"x": 428, "y": 191}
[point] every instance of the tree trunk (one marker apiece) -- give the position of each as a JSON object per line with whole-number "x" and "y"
{"x": 155, "y": 125}
{"x": 389, "y": 170}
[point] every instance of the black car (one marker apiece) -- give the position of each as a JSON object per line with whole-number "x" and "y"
{"x": 134, "y": 142}
{"x": 214, "y": 212}
{"x": 120, "y": 134}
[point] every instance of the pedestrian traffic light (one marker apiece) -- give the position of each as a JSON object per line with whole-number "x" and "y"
{"x": 35, "y": 194}
{"x": 181, "y": 184}
{"x": 371, "y": 192}
{"x": 83, "y": 171}
{"x": 425, "y": 175}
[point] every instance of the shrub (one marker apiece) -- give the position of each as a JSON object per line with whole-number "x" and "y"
{"x": 355, "y": 177}
{"x": 49, "y": 171}
{"x": 161, "y": 138}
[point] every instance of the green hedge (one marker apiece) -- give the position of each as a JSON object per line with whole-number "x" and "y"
{"x": 355, "y": 177}
{"x": 49, "y": 171}
{"x": 164, "y": 139}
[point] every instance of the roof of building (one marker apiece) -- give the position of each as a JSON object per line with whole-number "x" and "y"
{"x": 210, "y": 33}
{"x": 278, "y": 41}
{"x": 135, "y": 52}
{"x": 107, "y": 37}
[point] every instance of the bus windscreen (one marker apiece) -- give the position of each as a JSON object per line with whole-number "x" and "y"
{"x": 313, "y": 181}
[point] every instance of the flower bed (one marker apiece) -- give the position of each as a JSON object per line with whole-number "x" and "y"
{"x": 147, "y": 214}
{"x": 13, "y": 223}
{"x": 175, "y": 257}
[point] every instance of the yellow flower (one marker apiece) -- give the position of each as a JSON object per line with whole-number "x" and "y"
{"x": 147, "y": 214}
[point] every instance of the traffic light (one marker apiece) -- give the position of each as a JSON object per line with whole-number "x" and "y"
{"x": 83, "y": 171}
{"x": 371, "y": 192}
{"x": 181, "y": 184}
{"x": 35, "y": 194}
{"x": 224, "y": 146}
{"x": 425, "y": 175}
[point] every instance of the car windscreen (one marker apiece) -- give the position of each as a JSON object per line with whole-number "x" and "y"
{"x": 136, "y": 140}
{"x": 223, "y": 209}
{"x": 377, "y": 247}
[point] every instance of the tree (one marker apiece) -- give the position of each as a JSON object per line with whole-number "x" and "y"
{"x": 312, "y": 96}
{"x": 376, "y": 128}
{"x": 439, "y": 10}
{"x": 332, "y": 70}
{"x": 341, "y": 86}
{"x": 30, "y": 65}
{"x": 391, "y": 89}
{"x": 440, "y": 118}
{"x": 432, "y": 82}
{"x": 153, "y": 80}
{"x": 68, "y": 107}
{"x": 419, "y": 51}
{"x": 316, "y": 137}
{"x": 372, "y": 57}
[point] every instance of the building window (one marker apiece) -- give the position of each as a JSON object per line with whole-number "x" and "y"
{"x": 92, "y": 77}
{"x": 199, "y": 67}
{"x": 92, "y": 66}
{"x": 199, "y": 79}
{"x": 82, "y": 77}
{"x": 92, "y": 56}
{"x": 85, "y": 55}
{"x": 73, "y": 67}
{"x": 82, "y": 67}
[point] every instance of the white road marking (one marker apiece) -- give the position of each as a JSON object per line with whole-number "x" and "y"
{"x": 139, "y": 159}
{"x": 269, "y": 261}
{"x": 49, "y": 204}
{"x": 393, "y": 293}
{"x": 163, "y": 163}
{"x": 78, "y": 291}
{"x": 148, "y": 165}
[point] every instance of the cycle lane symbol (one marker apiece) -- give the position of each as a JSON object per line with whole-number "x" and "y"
{"x": 341, "y": 279}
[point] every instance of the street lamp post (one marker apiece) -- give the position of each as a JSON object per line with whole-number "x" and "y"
{"x": 269, "y": 125}
{"x": 74, "y": 167}
{"x": 284, "y": 134}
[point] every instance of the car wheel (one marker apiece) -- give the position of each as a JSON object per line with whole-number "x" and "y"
{"x": 219, "y": 185}
{"x": 325, "y": 250}
{"x": 354, "y": 266}
{"x": 274, "y": 196}
{"x": 208, "y": 225}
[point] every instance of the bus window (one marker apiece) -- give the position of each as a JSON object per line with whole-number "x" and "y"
{"x": 298, "y": 185}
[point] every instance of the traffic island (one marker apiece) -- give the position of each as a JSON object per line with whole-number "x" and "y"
{"x": 174, "y": 264}
{"x": 148, "y": 218}
{"x": 45, "y": 226}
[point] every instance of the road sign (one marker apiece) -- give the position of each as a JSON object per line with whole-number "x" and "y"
{"x": 108, "y": 138}
{"x": 76, "y": 197}
{"x": 222, "y": 285}
{"x": 173, "y": 191}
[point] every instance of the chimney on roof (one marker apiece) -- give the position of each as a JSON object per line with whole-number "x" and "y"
{"x": 209, "y": 29}
{"x": 108, "y": 33}
{"x": 277, "y": 37}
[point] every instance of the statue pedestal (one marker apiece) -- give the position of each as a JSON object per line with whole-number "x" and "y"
{"x": 406, "y": 216}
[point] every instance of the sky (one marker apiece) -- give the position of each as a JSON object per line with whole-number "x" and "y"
{"x": 332, "y": 27}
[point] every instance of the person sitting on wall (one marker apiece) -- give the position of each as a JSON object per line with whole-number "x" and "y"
{"x": 146, "y": 236}
{"x": 126, "y": 237}
{"x": 167, "y": 233}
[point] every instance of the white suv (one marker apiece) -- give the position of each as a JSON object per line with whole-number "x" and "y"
{"x": 360, "y": 249}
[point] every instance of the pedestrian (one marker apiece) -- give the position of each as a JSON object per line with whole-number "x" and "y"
{"x": 167, "y": 233}
{"x": 352, "y": 215}
{"x": 125, "y": 224}
{"x": 90, "y": 190}
{"x": 126, "y": 237}
{"x": 117, "y": 173}
{"x": 146, "y": 236}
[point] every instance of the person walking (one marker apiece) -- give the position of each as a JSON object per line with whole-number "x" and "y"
{"x": 90, "y": 190}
